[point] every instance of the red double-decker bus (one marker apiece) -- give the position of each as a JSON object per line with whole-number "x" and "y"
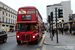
{"x": 29, "y": 25}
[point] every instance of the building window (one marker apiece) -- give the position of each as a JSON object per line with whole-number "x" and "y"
{"x": 6, "y": 19}
{"x": 12, "y": 11}
{"x": 3, "y": 6}
{"x": 3, "y": 12}
{"x": 48, "y": 9}
{"x": 3, "y": 25}
{"x": 11, "y": 16}
{"x": 9, "y": 9}
{"x": 15, "y": 17}
{"x": 13, "y": 21}
{"x": 6, "y": 25}
{"x": 52, "y": 11}
{"x": 6, "y": 8}
{"x": 53, "y": 14}
{"x": 6, "y": 14}
{"x": 9, "y": 20}
{"x": 3, "y": 19}
{"x": 59, "y": 7}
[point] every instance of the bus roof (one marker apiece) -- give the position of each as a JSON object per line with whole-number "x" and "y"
{"x": 27, "y": 7}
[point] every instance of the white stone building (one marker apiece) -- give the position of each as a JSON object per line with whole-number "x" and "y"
{"x": 65, "y": 6}
{"x": 7, "y": 17}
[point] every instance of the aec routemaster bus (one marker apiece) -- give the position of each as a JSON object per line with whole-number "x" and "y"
{"x": 29, "y": 25}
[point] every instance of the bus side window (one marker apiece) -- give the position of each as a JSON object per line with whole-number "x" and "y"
{"x": 36, "y": 27}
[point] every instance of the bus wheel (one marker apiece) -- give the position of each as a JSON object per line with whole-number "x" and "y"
{"x": 19, "y": 42}
{"x": 4, "y": 40}
{"x": 41, "y": 36}
{"x": 37, "y": 40}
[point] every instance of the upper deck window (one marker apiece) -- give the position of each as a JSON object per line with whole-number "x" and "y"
{"x": 36, "y": 12}
{"x": 30, "y": 11}
{"x": 22, "y": 11}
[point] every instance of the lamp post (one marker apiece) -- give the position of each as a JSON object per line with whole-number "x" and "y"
{"x": 62, "y": 25}
{"x": 56, "y": 24}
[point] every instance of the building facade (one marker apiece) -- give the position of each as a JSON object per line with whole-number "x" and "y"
{"x": 7, "y": 17}
{"x": 65, "y": 6}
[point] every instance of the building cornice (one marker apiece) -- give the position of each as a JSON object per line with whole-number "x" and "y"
{"x": 54, "y": 5}
{"x": 7, "y": 6}
{"x": 7, "y": 11}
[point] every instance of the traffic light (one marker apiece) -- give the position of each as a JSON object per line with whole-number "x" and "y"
{"x": 49, "y": 18}
{"x": 60, "y": 13}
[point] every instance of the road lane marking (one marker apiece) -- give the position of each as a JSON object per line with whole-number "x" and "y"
{"x": 44, "y": 47}
{"x": 38, "y": 49}
{"x": 40, "y": 44}
{"x": 25, "y": 44}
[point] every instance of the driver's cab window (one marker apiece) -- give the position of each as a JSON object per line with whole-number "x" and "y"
{"x": 27, "y": 27}
{"x": 33, "y": 27}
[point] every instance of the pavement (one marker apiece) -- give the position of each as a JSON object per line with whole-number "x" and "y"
{"x": 10, "y": 34}
{"x": 65, "y": 42}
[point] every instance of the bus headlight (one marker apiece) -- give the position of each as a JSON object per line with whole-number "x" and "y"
{"x": 33, "y": 36}
{"x": 17, "y": 36}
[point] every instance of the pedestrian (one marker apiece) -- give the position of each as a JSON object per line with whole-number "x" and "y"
{"x": 53, "y": 32}
{"x": 70, "y": 30}
{"x": 66, "y": 29}
{"x": 62, "y": 30}
{"x": 59, "y": 30}
{"x": 49, "y": 30}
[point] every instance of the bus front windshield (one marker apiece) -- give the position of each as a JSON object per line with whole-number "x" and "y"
{"x": 23, "y": 27}
{"x": 29, "y": 11}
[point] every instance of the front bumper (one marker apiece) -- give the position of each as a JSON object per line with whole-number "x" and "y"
{"x": 27, "y": 37}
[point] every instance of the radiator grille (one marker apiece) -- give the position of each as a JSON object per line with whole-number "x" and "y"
{"x": 25, "y": 37}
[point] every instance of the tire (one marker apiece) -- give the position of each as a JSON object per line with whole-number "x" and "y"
{"x": 37, "y": 40}
{"x": 5, "y": 39}
{"x": 18, "y": 42}
{"x": 41, "y": 36}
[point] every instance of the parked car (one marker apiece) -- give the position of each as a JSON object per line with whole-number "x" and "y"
{"x": 3, "y": 36}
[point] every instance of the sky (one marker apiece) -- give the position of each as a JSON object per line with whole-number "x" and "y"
{"x": 39, "y": 4}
